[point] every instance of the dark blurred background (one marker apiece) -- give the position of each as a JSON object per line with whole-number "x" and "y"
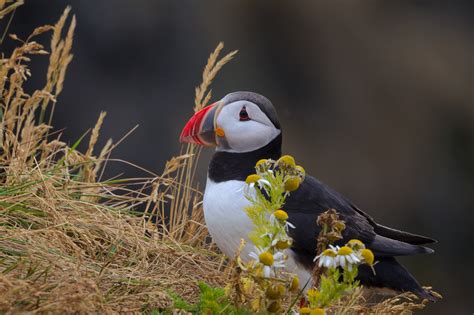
{"x": 375, "y": 98}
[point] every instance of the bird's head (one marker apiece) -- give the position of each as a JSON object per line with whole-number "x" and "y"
{"x": 240, "y": 122}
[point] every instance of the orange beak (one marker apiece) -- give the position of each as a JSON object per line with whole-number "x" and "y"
{"x": 201, "y": 128}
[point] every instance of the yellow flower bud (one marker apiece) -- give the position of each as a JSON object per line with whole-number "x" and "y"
{"x": 247, "y": 285}
{"x": 275, "y": 291}
{"x": 260, "y": 162}
{"x": 295, "y": 284}
{"x": 266, "y": 258}
{"x": 345, "y": 250}
{"x": 287, "y": 160}
{"x": 300, "y": 169}
{"x": 274, "y": 307}
{"x": 329, "y": 252}
{"x": 317, "y": 311}
{"x": 292, "y": 183}
{"x": 339, "y": 225}
{"x": 252, "y": 179}
{"x": 283, "y": 245}
{"x": 305, "y": 310}
{"x": 313, "y": 294}
{"x": 355, "y": 244}
{"x": 368, "y": 256}
{"x": 255, "y": 304}
{"x": 281, "y": 215}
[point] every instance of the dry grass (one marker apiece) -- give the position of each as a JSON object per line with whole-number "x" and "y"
{"x": 70, "y": 242}
{"x": 362, "y": 302}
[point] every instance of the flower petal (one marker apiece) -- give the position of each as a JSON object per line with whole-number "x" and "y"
{"x": 290, "y": 225}
{"x": 342, "y": 261}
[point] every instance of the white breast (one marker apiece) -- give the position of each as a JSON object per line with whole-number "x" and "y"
{"x": 227, "y": 222}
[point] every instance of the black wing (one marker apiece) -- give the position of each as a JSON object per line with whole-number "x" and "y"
{"x": 386, "y": 231}
{"x": 313, "y": 198}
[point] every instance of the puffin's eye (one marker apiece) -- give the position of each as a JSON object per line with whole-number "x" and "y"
{"x": 243, "y": 115}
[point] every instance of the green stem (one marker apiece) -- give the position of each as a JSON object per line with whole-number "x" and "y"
{"x": 8, "y": 26}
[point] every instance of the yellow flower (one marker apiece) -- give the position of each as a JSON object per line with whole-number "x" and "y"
{"x": 317, "y": 311}
{"x": 300, "y": 169}
{"x": 274, "y": 307}
{"x": 355, "y": 244}
{"x": 252, "y": 179}
{"x": 281, "y": 215}
{"x": 339, "y": 225}
{"x": 346, "y": 258}
{"x": 292, "y": 183}
{"x": 345, "y": 250}
{"x": 260, "y": 162}
{"x": 313, "y": 294}
{"x": 275, "y": 291}
{"x": 368, "y": 256}
{"x": 266, "y": 258}
{"x": 282, "y": 245}
{"x": 247, "y": 285}
{"x": 269, "y": 261}
{"x": 305, "y": 310}
{"x": 287, "y": 160}
{"x": 329, "y": 252}
{"x": 327, "y": 258}
{"x": 255, "y": 304}
{"x": 295, "y": 284}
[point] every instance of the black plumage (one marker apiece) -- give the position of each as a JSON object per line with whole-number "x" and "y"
{"x": 311, "y": 199}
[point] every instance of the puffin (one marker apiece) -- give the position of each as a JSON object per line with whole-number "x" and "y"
{"x": 244, "y": 128}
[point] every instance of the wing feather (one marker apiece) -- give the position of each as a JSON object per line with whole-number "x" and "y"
{"x": 313, "y": 198}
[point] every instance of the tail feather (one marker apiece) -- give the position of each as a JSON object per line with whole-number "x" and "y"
{"x": 384, "y": 246}
{"x": 403, "y": 236}
{"x": 391, "y": 274}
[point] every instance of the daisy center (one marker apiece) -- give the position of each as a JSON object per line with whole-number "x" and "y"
{"x": 329, "y": 252}
{"x": 280, "y": 215}
{"x": 355, "y": 243}
{"x": 266, "y": 258}
{"x": 368, "y": 256}
{"x": 345, "y": 250}
{"x": 252, "y": 178}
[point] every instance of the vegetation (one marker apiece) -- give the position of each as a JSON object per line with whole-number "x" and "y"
{"x": 72, "y": 241}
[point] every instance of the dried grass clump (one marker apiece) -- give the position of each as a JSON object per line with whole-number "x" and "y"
{"x": 360, "y": 301}
{"x": 185, "y": 221}
{"x": 70, "y": 241}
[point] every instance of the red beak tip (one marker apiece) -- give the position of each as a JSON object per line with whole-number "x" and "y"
{"x": 191, "y": 130}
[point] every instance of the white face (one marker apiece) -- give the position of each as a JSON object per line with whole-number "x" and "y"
{"x": 241, "y": 134}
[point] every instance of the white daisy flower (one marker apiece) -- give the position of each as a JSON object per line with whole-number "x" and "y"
{"x": 347, "y": 257}
{"x": 257, "y": 179}
{"x": 261, "y": 183}
{"x": 327, "y": 258}
{"x": 281, "y": 242}
{"x": 269, "y": 261}
{"x": 356, "y": 245}
{"x": 280, "y": 217}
